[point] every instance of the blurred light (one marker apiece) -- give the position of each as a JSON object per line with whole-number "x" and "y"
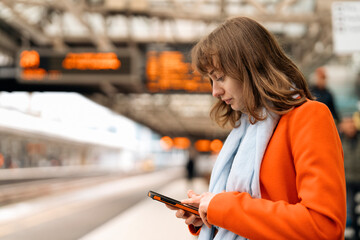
{"x": 202, "y": 145}
{"x": 1, "y": 160}
{"x": 216, "y": 145}
{"x": 181, "y": 143}
{"x": 166, "y": 143}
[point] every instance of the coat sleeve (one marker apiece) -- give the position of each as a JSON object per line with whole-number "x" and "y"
{"x": 194, "y": 230}
{"x": 320, "y": 184}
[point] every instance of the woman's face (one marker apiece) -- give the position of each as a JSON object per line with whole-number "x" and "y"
{"x": 227, "y": 89}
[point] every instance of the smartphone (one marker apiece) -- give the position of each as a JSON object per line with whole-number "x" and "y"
{"x": 175, "y": 203}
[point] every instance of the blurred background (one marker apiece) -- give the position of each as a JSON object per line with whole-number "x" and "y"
{"x": 99, "y": 105}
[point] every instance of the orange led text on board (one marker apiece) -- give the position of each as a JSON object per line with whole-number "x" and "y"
{"x": 30, "y": 62}
{"x": 167, "y": 70}
{"x": 91, "y": 61}
{"x": 29, "y": 59}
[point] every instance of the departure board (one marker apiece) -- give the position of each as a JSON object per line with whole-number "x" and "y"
{"x": 80, "y": 67}
{"x": 168, "y": 71}
{"x": 153, "y": 69}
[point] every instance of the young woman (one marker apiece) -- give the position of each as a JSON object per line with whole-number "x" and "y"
{"x": 280, "y": 173}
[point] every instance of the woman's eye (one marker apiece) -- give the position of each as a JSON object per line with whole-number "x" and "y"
{"x": 220, "y": 79}
{"x": 211, "y": 81}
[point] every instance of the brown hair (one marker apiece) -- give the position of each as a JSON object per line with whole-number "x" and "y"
{"x": 244, "y": 50}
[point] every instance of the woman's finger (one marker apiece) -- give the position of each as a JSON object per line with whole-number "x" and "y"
{"x": 191, "y": 194}
{"x": 191, "y": 219}
{"x": 180, "y": 213}
{"x": 198, "y": 222}
{"x": 205, "y": 221}
{"x": 171, "y": 207}
{"x": 193, "y": 200}
{"x": 203, "y": 215}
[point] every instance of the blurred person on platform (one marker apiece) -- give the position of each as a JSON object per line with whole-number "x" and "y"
{"x": 350, "y": 138}
{"x": 322, "y": 94}
{"x": 280, "y": 173}
{"x": 190, "y": 167}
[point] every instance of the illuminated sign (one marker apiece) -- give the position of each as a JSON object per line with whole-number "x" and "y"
{"x": 82, "y": 67}
{"x": 168, "y": 71}
{"x": 164, "y": 70}
{"x": 91, "y": 61}
{"x": 29, "y": 59}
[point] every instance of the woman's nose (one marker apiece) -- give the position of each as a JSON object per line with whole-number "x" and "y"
{"x": 216, "y": 90}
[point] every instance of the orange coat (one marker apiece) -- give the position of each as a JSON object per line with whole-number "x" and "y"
{"x": 302, "y": 183}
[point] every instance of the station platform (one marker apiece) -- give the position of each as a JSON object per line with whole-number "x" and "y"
{"x": 112, "y": 207}
{"x": 150, "y": 219}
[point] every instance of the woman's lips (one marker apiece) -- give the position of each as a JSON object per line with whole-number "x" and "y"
{"x": 227, "y": 101}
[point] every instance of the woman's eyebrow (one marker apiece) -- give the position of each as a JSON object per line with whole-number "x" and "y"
{"x": 211, "y": 73}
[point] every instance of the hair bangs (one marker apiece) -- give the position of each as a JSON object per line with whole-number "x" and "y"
{"x": 204, "y": 56}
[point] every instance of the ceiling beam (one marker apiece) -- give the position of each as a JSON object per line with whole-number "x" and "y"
{"x": 7, "y": 43}
{"x": 284, "y": 5}
{"x": 101, "y": 40}
{"x": 262, "y": 10}
{"x": 19, "y": 22}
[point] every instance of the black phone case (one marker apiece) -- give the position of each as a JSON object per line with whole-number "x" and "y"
{"x": 175, "y": 203}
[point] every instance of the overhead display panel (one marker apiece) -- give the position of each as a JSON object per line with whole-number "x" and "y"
{"x": 169, "y": 70}
{"x": 77, "y": 67}
{"x": 154, "y": 69}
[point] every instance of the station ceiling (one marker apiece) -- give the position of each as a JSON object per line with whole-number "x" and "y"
{"x": 303, "y": 27}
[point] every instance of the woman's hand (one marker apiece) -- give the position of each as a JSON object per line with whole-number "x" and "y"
{"x": 202, "y": 201}
{"x": 189, "y": 217}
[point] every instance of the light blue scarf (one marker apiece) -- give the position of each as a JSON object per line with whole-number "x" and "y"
{"x": 237, "y": 167}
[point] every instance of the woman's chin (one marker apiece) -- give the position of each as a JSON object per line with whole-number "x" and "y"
{"x": 238, "y": 109}
{"x": 235, "y": 107}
